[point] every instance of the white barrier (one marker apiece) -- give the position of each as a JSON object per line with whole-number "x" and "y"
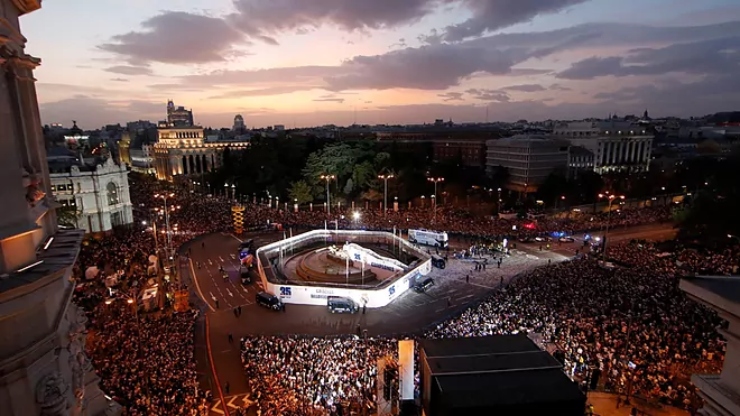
{"x": 317, "y": 295}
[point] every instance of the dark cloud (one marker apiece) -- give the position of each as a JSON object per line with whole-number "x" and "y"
{"x": 525, "y": 88}
{"x": 451, "y": 96}
{"x": 489, "y": 95}
{"x": 93, "y": 112}
{"x": 119, "y": 79}
{"x": 129, "y": 70}
{"x": 491, "y": 15}
{"x": 716, "y": 56}
{"x": 444, "y": 66}
{"x": 274, "y": 16}
{"x": 177, "y": 38}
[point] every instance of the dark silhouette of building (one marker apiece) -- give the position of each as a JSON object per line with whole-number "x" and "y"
{"x": 178, "y": 117}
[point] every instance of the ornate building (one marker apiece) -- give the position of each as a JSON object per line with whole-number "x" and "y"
{"x": 43, "y": 367}
{"x": 185, "y": 151}
{"x": 98, "y": 195}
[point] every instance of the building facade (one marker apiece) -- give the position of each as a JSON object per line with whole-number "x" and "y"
{"x": 720, "y": 392}
{"x": 184, "y": 151}
{"x": 43, "y": 366}
{"x": 618, "y": 146}
{"x": 580, "y": 160}
{"x": 448, "y": 144}
{"x": 528, "y": 158}
{"x": 97, "y": 195}
{"x": 178, "y": 116}
{"x": 239, "y": 123}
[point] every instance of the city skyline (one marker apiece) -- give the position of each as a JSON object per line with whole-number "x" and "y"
{"x": 319, "y": 62}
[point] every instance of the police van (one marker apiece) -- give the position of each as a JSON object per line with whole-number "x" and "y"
{"x": 429, "y": 238}
{"x": 438, "y": 262}
{"x": 338, "y": 304}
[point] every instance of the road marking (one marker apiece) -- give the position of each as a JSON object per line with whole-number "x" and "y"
{"x": 235, "y": 237}
{"x": 229, "y": 292}
{"x": 210, "y": 263}
{"x": 197, "y": 286}
{"x": 244, "y": 288}
{"x": 221, "y": 258}
{"x": 212, "y": 297}
{"x": 215, "y": 408}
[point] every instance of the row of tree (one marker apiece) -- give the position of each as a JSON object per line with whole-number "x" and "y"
{"x": 294, "y": 167}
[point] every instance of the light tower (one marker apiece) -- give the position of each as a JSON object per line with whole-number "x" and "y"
{"x": 237, "y": 214}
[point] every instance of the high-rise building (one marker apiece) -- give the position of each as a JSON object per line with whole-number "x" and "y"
{"x": 239, "y": 123}
{"x": 43, "y": 366}
{"x": 178, "y": 116}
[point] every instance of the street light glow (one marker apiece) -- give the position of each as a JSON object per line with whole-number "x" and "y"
{"x": 356, "y": 215}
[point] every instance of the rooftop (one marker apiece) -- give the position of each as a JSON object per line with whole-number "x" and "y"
{"x": 497, "y": 371}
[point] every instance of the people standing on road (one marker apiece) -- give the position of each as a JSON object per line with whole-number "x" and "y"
{"x": 227, "y": 387}
{"x": 231, "y": 338}
{"x": 216, "y": 303}
{"x": 236, "y": 313}
{"x": 239, "y": 310}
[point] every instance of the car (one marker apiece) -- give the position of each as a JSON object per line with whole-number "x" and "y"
{"x": 566, "y": 239}
{"x": 542, "y": 239}
{"x": 269, "y": 301}
{"x": 339, "y": 304}
{"x": 438, "y": 262}
{"x": 424, "y": 285}
{"x": 526, "y": 239}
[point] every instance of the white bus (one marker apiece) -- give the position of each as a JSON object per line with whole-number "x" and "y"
{"x": 429, "y": 238}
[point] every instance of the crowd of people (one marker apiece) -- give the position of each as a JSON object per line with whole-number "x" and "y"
{"x": 146, "y": 359}
{"x": 295, "y": 376}
{"x": 626, "y": 330}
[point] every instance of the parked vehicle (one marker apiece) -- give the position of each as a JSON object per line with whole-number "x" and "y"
{"x": 424, "y": 285}
{"x": 338, "y": 304}
{"x": 270, "y": 301}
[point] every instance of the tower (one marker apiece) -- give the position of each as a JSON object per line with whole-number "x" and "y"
{"x": 43, "y": 367}
{"x": 170, "y": 107}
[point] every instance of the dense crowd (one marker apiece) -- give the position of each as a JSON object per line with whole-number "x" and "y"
{"x": 313, "y": 376}
{"x": 599, "y": 319}
{"x": 146, "y": 361}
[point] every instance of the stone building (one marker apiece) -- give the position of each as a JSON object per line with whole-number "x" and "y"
{"x": 43, "y": 367}
{"x": 720, "y": 392}
{"x": 185, "y": 151}
{"x": 98, "y": 195}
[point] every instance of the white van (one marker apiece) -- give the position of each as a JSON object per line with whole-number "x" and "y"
{"x": 429, "y": 238}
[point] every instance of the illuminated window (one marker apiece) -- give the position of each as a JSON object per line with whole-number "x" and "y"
{"x": 112, "y": 190}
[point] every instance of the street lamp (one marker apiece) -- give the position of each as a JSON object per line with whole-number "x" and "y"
{"x": 610, "y": 198}
{"x": 385, "y": 191}
{"x": 328, "y": 178}
{"x": 164, "y": 197}
{"x": 434, "y": 200}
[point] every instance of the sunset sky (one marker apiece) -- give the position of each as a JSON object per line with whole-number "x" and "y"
{"x": 313, "y": 62}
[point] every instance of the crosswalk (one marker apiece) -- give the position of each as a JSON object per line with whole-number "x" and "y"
{"x": 233, "y": 402}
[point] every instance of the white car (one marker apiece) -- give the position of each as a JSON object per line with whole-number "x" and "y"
{"x": 566, "y": 239}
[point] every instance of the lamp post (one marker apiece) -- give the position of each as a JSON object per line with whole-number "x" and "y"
{"x": 610, "y": 198}
{"x": 233, "y": 191}
{"x": 385, "y": 191}
{"x": 328, "y": 178}
{"x": 434, "y": 200}
{"x": 164, "y": 197}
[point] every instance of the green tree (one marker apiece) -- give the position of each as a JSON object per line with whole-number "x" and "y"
{"x": 349, "y": 187}
{"x": 68, "y": 216}
{"x": 301, "y": 191}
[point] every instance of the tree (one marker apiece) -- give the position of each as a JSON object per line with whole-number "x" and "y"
{"x": 372, "y": 195}
{"x": 554, "y": 186}
{"x": 300, "y": 191}
{"x": 68, "y": 216}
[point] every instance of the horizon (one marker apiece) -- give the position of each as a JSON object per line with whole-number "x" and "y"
{"x": 312, "y": 63}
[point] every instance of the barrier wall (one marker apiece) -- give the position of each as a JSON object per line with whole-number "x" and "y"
{"x": 317, "y": 295}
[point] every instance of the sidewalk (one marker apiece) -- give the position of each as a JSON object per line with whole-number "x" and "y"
{"x": 605, "y": 404}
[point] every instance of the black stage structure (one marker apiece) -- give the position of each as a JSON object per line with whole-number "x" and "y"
{"x": 495, "y": 375}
